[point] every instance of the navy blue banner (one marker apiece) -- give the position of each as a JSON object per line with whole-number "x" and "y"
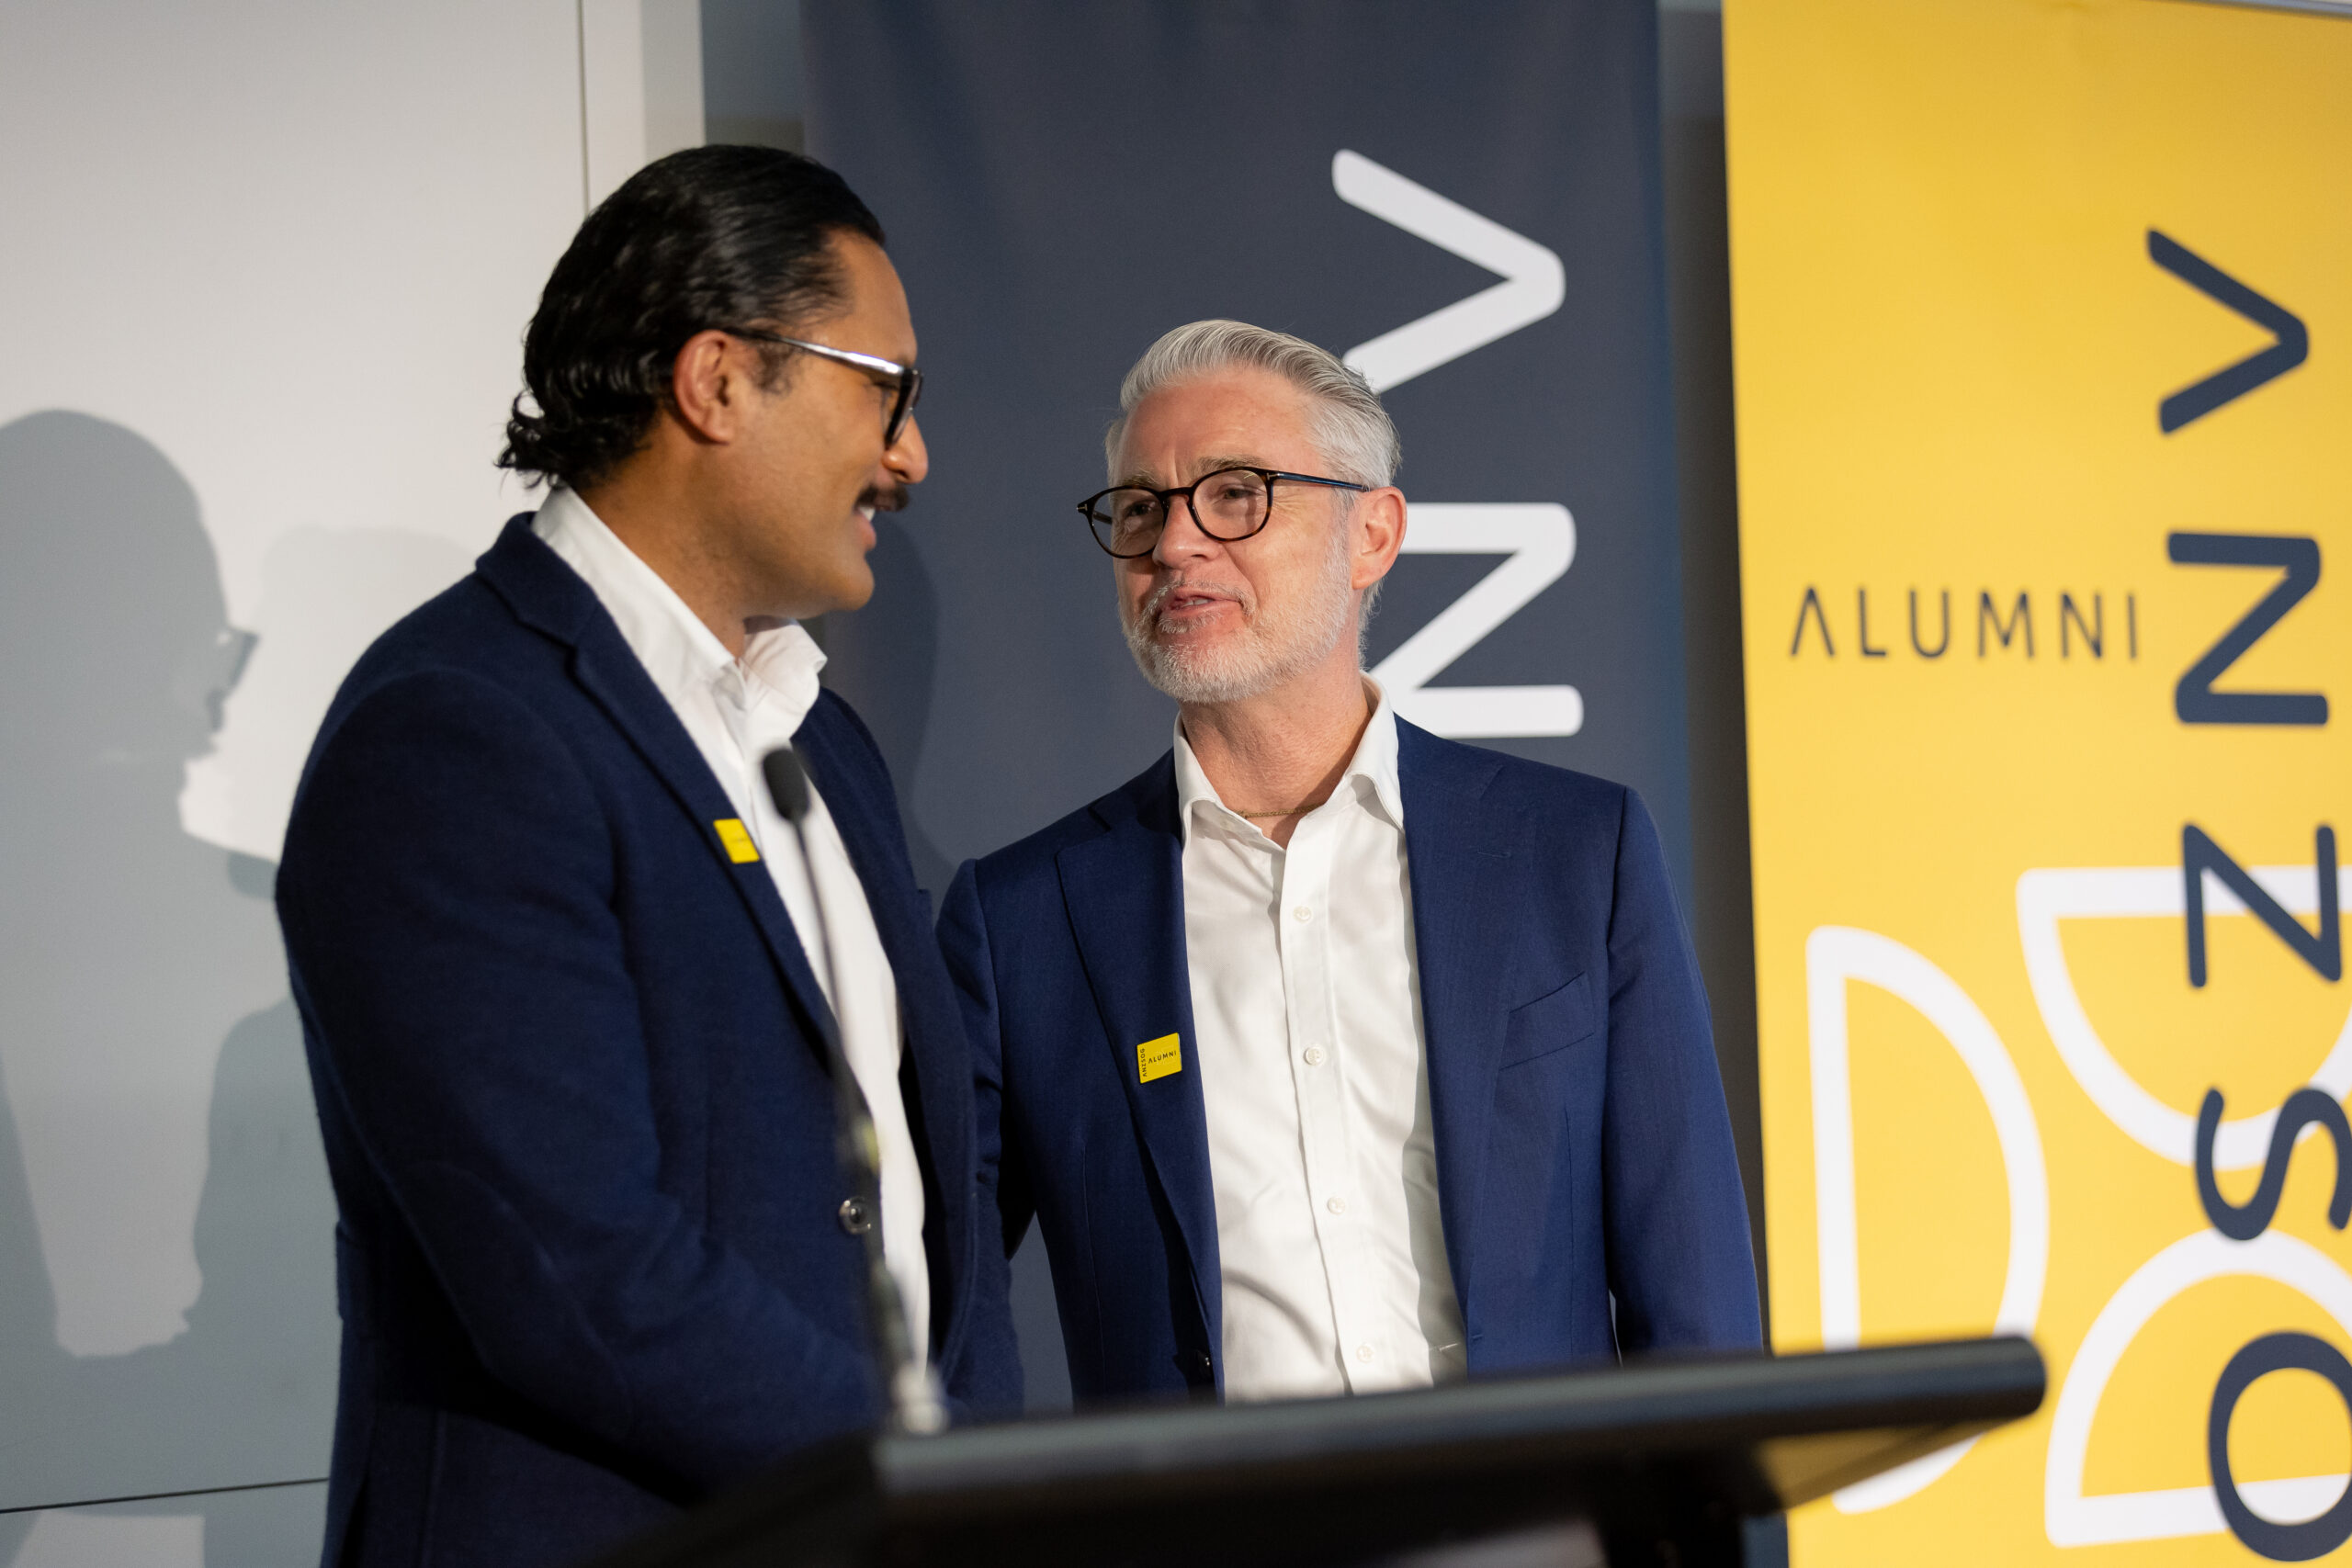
{"x": 1465, "y": 201}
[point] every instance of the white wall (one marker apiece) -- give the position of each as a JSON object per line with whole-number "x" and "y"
{"x": 265, "y": 267}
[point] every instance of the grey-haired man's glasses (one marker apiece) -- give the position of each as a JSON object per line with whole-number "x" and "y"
{"x": 1229, "y": 504}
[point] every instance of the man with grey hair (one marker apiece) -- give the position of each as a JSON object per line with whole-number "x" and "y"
{"x": 1331, "y": 1056}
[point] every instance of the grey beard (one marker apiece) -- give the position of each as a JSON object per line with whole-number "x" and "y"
{"x": 1275, "y": 644}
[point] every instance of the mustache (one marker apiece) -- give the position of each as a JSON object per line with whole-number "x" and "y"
{"x": 885, "y": 498}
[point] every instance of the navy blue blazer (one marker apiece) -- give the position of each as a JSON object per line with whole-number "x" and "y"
{"x": 1583, "y": 1151}
{"x": 566, "y": 1061}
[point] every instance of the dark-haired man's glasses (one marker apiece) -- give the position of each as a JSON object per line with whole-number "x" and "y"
{"x": 1229, "y": 504}
{"x": 907, "y": 379}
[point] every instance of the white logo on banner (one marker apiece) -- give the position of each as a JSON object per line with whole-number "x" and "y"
{"x": 1533, "y": 285}
{"x": 1538, "y": 539}
{"x": 2045, "y": 898}
{"x": 2074, "y": 1519}
{"x": 1833, "y": 957}
{"x": 1836, "y": 955}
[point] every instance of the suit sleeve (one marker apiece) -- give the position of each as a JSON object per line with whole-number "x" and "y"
{"x": 447, "y": 894}
{"x": 1680, "y": 1264}
{"x": 1004, "y": 1207}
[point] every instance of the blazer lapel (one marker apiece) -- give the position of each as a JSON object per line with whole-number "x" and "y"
{"x": 941, "y": 1057}
{"x": 546, "y": 594}
{"x": 1456, "y": 848}
{"x": 880, "y": 873}
{"x": 1124, "y": 893}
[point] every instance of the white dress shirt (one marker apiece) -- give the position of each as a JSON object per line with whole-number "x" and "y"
{"x": 738, "y": 710}
{"x": 1307, "y": 1003}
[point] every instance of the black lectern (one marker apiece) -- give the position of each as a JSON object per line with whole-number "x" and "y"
{"x": 1662, "y": 1460}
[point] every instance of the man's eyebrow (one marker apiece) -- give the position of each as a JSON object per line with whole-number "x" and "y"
{"x": 1208, "y": 465}
{"x": 1141, "y": 479}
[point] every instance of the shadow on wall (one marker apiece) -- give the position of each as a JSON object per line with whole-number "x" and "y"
{"x": 166, "y": 1295}
{"x": 325, "y": 595}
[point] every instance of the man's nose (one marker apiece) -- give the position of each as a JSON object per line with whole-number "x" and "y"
{"x": 1180, "y": 536}
{"x": 908, "y": 459}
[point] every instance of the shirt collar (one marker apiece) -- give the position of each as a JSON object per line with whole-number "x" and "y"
{"x": 683, "y": 654}
{"x": 1371, "y": 775}
{"x": 786, "y": 661}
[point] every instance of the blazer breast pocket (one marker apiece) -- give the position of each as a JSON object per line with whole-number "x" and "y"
{"x": 1553, "y": 1021}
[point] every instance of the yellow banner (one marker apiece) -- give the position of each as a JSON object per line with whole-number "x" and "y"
{"x": 2044, "y": 337}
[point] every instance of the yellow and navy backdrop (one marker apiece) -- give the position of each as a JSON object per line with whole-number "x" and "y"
{"x": 2045, "y": 435}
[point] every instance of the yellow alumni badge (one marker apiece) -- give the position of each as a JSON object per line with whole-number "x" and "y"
{"x": 1158, "y": 1059}
{"x": 737, "y": 841}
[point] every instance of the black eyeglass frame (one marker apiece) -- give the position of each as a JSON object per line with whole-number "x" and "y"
{"x": 909, "y": 379}
{"x": 1093, "y": 527}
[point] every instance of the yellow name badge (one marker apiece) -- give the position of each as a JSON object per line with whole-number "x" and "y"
{"x": 736, "y": 839}
{"x": 1158, "y": 1059}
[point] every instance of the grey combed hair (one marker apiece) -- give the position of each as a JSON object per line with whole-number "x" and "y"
{"x": 1357, "y": 437}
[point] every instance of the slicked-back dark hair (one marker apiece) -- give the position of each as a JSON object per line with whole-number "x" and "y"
{"x": 709, "y": 237}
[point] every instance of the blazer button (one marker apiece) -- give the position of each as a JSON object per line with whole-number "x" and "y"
{"x": 856, "y": 1217}
{"x": 1198, "y": 1365}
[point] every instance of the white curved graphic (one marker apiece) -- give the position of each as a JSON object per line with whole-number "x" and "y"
{"x": 1833, "y": 957}
{"x": 2072, "y": 1520}
{"x": 1533, "y": 285}
{"x": 2145, "y": 892}
{"x": 1539, "y": 541}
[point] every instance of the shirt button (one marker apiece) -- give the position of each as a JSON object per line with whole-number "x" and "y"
{"x": 1364, "y": 1352}
{"x": 1302, "y": 914}
{"x": 1338, "y": 1205}
{"x": 1315, "y": 1055}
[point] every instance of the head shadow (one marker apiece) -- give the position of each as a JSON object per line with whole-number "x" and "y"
{"x": 166, "y": 1250}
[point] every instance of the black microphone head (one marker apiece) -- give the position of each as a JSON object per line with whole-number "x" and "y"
{"x": 787, "y": 783}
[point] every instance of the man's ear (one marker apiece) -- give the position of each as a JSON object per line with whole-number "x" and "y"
{"x": 710, "y": 384}
{"x": 1380, "y": 533}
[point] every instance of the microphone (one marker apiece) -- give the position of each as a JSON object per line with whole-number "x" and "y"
{"x": 913, "y": 1388}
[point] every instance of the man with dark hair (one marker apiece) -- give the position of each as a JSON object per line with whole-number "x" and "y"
{"x": 566, "y": 975}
